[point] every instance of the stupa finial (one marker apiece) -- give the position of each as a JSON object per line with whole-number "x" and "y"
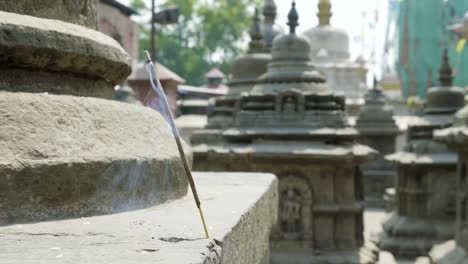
{"x": 324, "y": 13}
{"x": 293, "y": 18}
{"x": 445, "y": 71}
{"x": 257, "y": 43}
{"x": 376, "y": 83}
{"x": 269, "y": 11}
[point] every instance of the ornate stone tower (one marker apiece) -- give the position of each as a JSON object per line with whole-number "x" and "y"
{"x": 245, "y": 71}
{"x": 456, "y": 251}
{"x": 292, "y": 125}
{"x": 269, "y": 28}
{"x": 425, "y": 206}
{"x": 378, "y": 129}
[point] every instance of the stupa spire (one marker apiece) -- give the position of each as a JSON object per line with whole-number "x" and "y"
{"x": 445, "y": 71}
{"x": 293, "y": 18}
{"x": 376, "y": 83}
{"x": 269, "y": 11}
{"x": 257, "y": 43}
{"x": 324, "y": 13}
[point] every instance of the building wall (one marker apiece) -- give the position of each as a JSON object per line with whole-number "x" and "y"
{"x": 142, "y": 88}
{"x": 120, "y": 27}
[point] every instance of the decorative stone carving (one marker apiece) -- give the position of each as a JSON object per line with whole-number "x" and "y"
{"x": 294, "y": 208}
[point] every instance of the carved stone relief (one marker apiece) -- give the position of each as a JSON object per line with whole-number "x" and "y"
{"x": 294, "y": 220}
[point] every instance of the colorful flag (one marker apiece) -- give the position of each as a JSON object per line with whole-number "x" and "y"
{"x": 461, "y": 45}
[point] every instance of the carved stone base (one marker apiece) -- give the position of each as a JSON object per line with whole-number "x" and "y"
{"x": 409, "y": 238}
{"x": 448, "y": 253}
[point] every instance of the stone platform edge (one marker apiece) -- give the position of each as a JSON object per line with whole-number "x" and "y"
{"x": 240, "y": 209}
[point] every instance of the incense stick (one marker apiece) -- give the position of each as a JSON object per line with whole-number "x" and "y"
{"x": 175, "y": 132}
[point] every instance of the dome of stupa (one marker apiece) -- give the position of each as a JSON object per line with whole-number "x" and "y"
{"x": 445, "y": 99}
{"x": 324, "y": 36}
{"x": 291, "y": 63}
{"x": 247, "y": 68}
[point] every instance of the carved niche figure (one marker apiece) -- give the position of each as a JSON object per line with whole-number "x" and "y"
{"x": 289, "y": 104}
{"x": 294, "y": 219}
{"x": 291, "y": 211}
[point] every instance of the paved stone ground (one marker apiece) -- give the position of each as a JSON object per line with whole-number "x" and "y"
{"x": 372, "y": 225}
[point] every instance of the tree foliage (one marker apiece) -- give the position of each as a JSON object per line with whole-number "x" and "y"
{"x": 209, "y": 34}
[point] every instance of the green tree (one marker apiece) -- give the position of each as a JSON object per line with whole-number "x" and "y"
{"x": 208, "y": 34}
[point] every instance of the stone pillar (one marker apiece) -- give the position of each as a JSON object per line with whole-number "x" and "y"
{"x": 64, "y": 154}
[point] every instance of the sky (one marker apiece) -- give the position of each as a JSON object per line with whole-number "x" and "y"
{"x": 364, "y": 20}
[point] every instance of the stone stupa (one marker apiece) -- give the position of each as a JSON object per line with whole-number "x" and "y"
{"x": 269, "y": 28}
{"x": 329, "y": 52}
{"x": 455, "y": 251}
{"x": 245, "y": 71}
{"x": 378, "y": 129}
{"x": 425, "y": 200}
{"x": 292, "y": 125}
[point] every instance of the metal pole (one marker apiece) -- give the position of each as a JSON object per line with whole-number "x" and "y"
{"x": 153, "y": 32}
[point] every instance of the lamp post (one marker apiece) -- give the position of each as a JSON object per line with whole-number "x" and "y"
{"x": 153, "y": 31}
{"x": 166, "y": 16}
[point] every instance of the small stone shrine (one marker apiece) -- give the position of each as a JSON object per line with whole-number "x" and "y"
{"x": 455, "y": 251}
{"x": 377, "y": 129}
{"x": 425, "y": 200}
{"x": 329, "y": 53}
{"x": 292, "y": 125}
{"x": 82, "y": 178}
{"x": 245, "y": 71}
{"x": 269, "y": 29}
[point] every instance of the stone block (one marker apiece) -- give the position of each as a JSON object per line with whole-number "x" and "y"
{"x": 171, "y": 233}
{"x": 78, "y": 12}
{"x": 45, "y": 55}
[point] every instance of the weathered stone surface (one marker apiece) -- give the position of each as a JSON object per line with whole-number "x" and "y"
{"x": 168, "y": 233}
{"x": 44, "y": 55}
{"x": 83, "y": 12}
{"x": 65, "y": 156}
